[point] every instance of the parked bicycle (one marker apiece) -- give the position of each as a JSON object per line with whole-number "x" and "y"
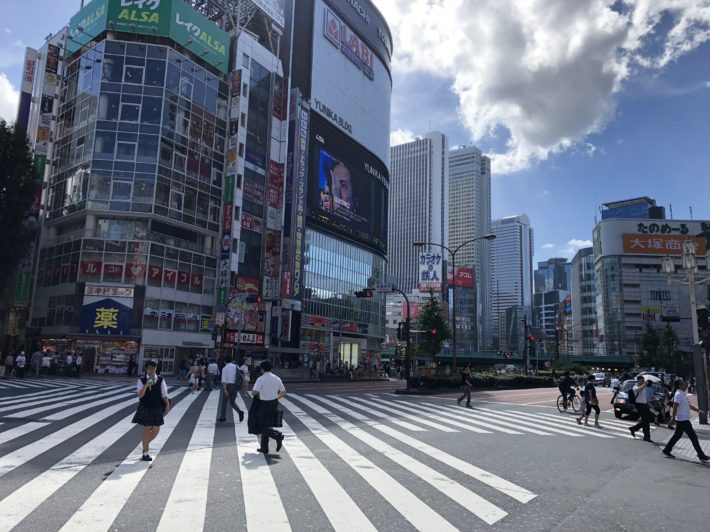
{"x": 563, "y": 403}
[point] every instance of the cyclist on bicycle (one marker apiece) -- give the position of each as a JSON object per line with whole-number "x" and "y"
{"x": 566, "y": 386}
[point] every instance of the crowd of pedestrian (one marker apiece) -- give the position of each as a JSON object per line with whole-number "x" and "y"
{"x": 41, "y": 364}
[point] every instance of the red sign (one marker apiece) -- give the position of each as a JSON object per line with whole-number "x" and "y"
{"x": 247, "y": 284}
{"x": 183, "y": 277}
{"x": 90, "y": 267}
{"x": 169, "y": 277}
{"x": 113, "y": 271}
{"x": 276, "y": 184}
{"x": 286, "y": 288}
{"x": 155, "y": 273}
{"x": 196, "y": 279}
{"x": 464, "y": 277}
{"x": 136, "y": 272}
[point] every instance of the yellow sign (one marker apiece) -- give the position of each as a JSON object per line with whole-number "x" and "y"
{"x": 106, "y": 318}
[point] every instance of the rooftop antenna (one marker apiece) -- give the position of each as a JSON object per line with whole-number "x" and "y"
{"x": 691, "y": 212}
{"x": 671, "y": 207}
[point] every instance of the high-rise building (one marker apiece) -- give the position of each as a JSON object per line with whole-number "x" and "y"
{"x": 553, "y": 274}
{"x": 632, "y": 289}
{"x": 511, "y": 267}
{"x": 337, "y": 182}
{"x": 127, "y": 262}
{"x": 581, "y": 338}
{"x": 552, "y": 313}
{"x": 643, "y": 207}
{"x": 418, "y": 208}
{"x": 470, "y": 218}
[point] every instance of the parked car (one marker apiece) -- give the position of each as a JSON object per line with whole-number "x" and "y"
{"x": 599, "y": 379}
{"x": 660, "y": 404}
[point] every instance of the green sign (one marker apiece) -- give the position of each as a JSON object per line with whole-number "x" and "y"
{"x": 168, "y": 18}
{"x": 22, "y": 289}
{"x": 87, "y": 24}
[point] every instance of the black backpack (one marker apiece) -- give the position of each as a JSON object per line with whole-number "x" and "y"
{"x": 239, "y": 379}
{"x": 631, "y": 395}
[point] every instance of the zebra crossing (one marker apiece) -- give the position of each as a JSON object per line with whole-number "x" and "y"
{"x": 69, "y": 461}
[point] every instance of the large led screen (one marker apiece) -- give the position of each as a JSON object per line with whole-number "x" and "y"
{"x": 347, "y": 187}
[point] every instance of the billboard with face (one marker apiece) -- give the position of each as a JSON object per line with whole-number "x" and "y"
{"x": 347, "y": 187}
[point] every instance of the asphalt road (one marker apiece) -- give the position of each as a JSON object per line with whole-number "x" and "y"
{"x": 355, "y": 458}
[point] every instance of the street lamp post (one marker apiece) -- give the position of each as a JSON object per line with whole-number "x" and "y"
{"x": 452, "y": 253}
{"x": 690, "y": 266}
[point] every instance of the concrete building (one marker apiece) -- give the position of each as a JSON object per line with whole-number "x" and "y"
{"x": 469, "y": 218}
{"x": 511, "y": 267}
{"x": 552, "y": 314}
{"x": 418, "y": 205}
{"x": 642, "y": 208}
{"x": 581, "y": 338}
{"x": 631, "y": 288}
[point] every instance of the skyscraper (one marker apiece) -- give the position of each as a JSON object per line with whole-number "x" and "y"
{"x": 553, "y": 274}
{"x": 418, "y": 209}
{"x": 511, "y": 267}
{"x": 582, "y": 336}
{"x": 469, "y": 218}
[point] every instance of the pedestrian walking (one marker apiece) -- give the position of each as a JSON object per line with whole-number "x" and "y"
{"x": 591, "y": 403}
{"x": 681, "y": 416}
{"x": 9, "y": 365}
{"x": 36, "y": 362}
{"x": 69, "y": 361}
{"x": 641, "y": 402}
{"x": 153, "y": 404}
{"x": 194, "y": 377}
{"x": 20, "y": 363}
{"x": 466, "y": 386}
{"x": 231, "y": 383}
{"x": 46, "y": 364}
{"x": 78, "y": 361}
{"x": 267, "y": 391}
{"x": 245, "y": 375}
{"x": 615, "y": 387}
{"x": 212, "y": 374}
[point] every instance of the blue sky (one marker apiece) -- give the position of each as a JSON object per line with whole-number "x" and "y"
{"x": 579, "y": 103}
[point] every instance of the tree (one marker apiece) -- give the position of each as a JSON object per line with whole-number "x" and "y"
{"x": 648, "y": 345}
{"x": 18, "y": 186}
{"x": 667, "y": 342}
{"x": 434, "y": 326}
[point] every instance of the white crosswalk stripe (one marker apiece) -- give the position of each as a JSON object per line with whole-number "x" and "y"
{"x": 344, "y": 450}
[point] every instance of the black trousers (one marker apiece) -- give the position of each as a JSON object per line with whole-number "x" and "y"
{"x": 680, "y": 428}
{"x": 466, "y": 394}
{"x": 266, "y": 417}
{"x": 644, "y": 423}
{"x": 230, "y": 398}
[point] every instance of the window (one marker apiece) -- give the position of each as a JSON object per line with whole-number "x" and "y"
{"x": 155, "y": 73}
{"x": 130, "y": 112}
{"x": 104, "y": 145}
{"x": 108, "y": 106}
{"x": 147, "y": 148}
{"x": 152, "y": 108}
{"x": 121, "y": 190}
{"x": 126, "y": 151}
{"x": 111, "y": 68}
{"x": 133, "y": 74}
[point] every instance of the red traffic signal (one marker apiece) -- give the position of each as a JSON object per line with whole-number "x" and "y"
{"x": 365, "y": 293}
{"x": 434, "y": 331}
{"x": 254, "y": 299}
{"x": 532, "y": 339}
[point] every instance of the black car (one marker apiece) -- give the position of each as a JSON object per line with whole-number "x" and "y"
{"x": 660, "y": 404}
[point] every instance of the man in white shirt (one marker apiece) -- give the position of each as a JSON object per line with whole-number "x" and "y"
{"x": 77, "y": 362}
{"x": 230, "y": 387}
{"x": 642, "y": 409}
{"x": 245, "y": 376}
{"x": 681, "y": 415}
{"x": 212, "y": 372}
{"x": 46, "y": 364}
{"x": 20, "y": 363}
{"x": 615, "y": 387}
{"x": 69, "y": 361}
{"x": 268, "y": 388}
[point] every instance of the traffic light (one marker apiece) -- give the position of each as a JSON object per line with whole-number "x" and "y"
{"x": 433, "y": 332}
{"x": 254, "y": 299}
{"x": 365, "y": 293}
{"x": 400, "y": 330}
{"x": 531, "y": 339}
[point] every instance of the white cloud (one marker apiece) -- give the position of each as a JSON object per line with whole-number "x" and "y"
{"x": 401, "y": 136}
{"x": 9, "y": 99}
{"x": 548, "y": 246}
{"x": 573, "y": 246}
{"x": 545, "y": 72}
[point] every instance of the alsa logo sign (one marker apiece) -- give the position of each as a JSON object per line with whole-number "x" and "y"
{"x": 94, "y": 16}
{"x": 349, "y": 44}
{"x": 202, "y": 36}
{"x": 150, "y": 15}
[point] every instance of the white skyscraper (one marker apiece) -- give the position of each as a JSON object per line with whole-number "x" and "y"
{"x": 469, "y": 218}
{"x": 511, "y": 265}
{"x": 418, "y": 204}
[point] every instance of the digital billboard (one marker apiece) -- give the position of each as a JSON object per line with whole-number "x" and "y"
{"x": 347, "y": 187}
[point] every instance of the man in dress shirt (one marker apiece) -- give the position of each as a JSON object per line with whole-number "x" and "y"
{"x": 269, "y": 389}
{"x": 681, "y": 416}
{"x": 69, "y": 360}
{"x": 642, "y": 409}
{"x": 230, "y": 387}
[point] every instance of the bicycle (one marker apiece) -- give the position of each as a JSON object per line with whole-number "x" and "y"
{"x": 563, "y": 403}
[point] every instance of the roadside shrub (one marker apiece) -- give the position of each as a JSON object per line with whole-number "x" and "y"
{"x": 481, "y": 381}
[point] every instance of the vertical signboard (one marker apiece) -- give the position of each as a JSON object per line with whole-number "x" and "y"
{"x": 28, "y": 77}
{"x": 429, "y": 279}
{"x": 298, "y": 207}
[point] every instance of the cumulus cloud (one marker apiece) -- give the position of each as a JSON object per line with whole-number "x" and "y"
{"x": 545, "y": 72}
{"x": 9, "y": 98}
{"x": 548, "y": 246}
{"x": 573, "y": 246}
{"x": 401, "y": 136}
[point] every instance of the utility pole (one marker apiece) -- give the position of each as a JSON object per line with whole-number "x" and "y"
{"x": 525, "y": 348}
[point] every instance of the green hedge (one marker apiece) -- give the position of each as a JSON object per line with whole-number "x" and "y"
{"x": 482, "y": 381}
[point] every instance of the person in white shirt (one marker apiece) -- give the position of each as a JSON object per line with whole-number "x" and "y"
{"x": 20, "y": 363}
{"x": 69, "y": 360}
{"x": 231, "y": 383}
{"x": 681, "y": 415}
{"x": 268, "y": 389}
{"x": 245, "y": 376}
{"x": 212, "y": 373}
{"x": 77, "y": 362}
{"x": 46, "y": 364}
{"x": 643, "y": 410}
{"x": 35, "y": 362}
{"x": 615, "y": 387}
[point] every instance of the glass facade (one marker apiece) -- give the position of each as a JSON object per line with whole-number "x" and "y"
{"x": 334, "y": 270}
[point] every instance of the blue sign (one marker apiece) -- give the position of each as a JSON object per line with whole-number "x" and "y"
{"x": 106, "y": 317}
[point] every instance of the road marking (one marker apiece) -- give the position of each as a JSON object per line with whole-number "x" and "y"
{"x": 87, "y": 399}
{"x": 404, "y": 414}
{"x": 258, "y": 485}
{"x": 187, "y": 504}
{"x": 48, "y": 397}
{"x": 380, "y": 415}
{"x": 413, "y": 509}
{"x": 23, "y": 501}
{"x": 471, "y": 417}
{"x": 101, "y": 508}
{"x": 504, "y": 486}
{"x": 579, "y": 430}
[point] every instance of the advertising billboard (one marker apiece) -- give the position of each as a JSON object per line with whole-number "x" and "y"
{"x": 348, "y": 187}
{"x": 430, "y": 266}
{"x": 351, "y": 86}
{"x": 274, "y": 9}
{"x": 170, "y": 18}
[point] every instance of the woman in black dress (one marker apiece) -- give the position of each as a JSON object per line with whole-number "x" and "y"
{"x": 153, "y": 404}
